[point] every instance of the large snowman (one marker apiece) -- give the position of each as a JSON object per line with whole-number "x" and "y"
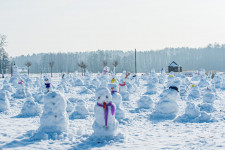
{"x": 117, "y": 99}
{"x": 167, "y": 107}
{"x": 105, "y": 123}
{"x": 54, "y": 119}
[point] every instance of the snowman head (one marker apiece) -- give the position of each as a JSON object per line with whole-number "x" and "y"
{"x": 46, "y": 79}
{"x": 113, "y": 87}
{"x": 103, "y": 95}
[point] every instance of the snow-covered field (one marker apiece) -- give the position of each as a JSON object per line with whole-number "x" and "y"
{"x": 156, "y": 117}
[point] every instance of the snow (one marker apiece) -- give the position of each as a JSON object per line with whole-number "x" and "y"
{"x": 168, "y": 122}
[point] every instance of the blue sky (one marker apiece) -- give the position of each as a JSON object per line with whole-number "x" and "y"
{"x": 34, "y": 26}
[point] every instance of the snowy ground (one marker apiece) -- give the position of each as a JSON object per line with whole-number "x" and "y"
{"x": 137, "y": 131}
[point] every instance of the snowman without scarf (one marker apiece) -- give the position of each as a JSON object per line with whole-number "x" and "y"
{"x": 105, "y": 123}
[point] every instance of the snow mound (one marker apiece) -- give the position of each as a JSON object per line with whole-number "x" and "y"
{"x": 30, "y": 108}
{"x": 80, "y": 111}
{"x": 78, "y": 82}
{"x": 85, "y": 90}
{"x": 4, "y": 102}
{"x": 70, "y": 107}
{"x": 194, "y": 115}
{"x": 207, "y": 107}
{"x": 145, "y": 102}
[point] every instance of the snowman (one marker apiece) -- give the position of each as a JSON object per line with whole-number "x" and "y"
{"x": 123, "y": 90}
{"x": 20, "y": 92}
{"x": 117, "y": 99}
{"x": 47, "y": 85}
{"x": 15, "y": 76}
{"x": 151, "y": 86}
{"x": 194, "y": 92}
{"x": 54, "y": 120}
{"x": 167, "y": 107}
{"x": 106, "y": 70}
{"x": 4, "y": 102}
{"x": 105, "y": 123}
{"x": 114, "y": 80}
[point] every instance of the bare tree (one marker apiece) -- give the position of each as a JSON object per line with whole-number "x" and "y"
{"x": 51, "y": 64}
{"x": 83, "y": 67}
{"x": 104, "y": 63}
{"x": 28, "y": 64}
{"x": 115, "y": 64}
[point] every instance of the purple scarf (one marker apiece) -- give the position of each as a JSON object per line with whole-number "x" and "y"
{"x": 47, "y": 85}
{"x": 106, "y": 109}
{"x": 112, "y": 92}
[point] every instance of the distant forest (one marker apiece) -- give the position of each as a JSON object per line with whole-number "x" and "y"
{"x": 211, "y": 57}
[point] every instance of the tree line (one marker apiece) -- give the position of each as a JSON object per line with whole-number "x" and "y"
{"x": 4, "y": 57}
{"x": 210, "y": 58}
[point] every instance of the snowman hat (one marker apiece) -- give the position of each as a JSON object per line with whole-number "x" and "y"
{"x": 174, "y": 88}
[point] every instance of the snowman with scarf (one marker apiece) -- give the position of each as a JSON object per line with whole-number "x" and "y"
{"x": 47, "y": 85}
{"x": 106, "y": 70}
{"x": 105, "y": 123}
{"x": 117, "y": 99}
{"x": 123, "y": 89}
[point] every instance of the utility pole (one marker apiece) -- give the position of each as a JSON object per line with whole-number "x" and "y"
{"x": 135, "y": 61}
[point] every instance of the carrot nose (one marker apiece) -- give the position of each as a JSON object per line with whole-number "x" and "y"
{"x": 104, "y": 105}
{"x": 112, "y": 88}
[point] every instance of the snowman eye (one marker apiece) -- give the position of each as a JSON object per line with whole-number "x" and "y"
{"x": 99, "y": 97}
{"x": 106, "y": 96}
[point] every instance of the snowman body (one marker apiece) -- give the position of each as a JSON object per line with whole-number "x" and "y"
{"x": 123, "y": 90}
{"x": 4, "y": 102}
{"x": 20, "y": 92}
{"x": 54, "y": 118}
{"x": 105, "y": 123}
{"x": 117, "y": 99}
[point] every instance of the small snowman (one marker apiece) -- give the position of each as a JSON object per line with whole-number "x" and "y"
{"x": 123, "y": 90}
{"x": 194, "y": 92}
{"x": 4, "y": 102}
{"x": 106, "y": 70}
{"x": 20, "y": 92}
{"x": 47, "y": 85}
{"x": 105, "y": 123}
{"x": 151, "y": 86}
{"x": 208, "y": 96}
{"x": 114, "y": 80}
{"x": 117, "y": 99}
